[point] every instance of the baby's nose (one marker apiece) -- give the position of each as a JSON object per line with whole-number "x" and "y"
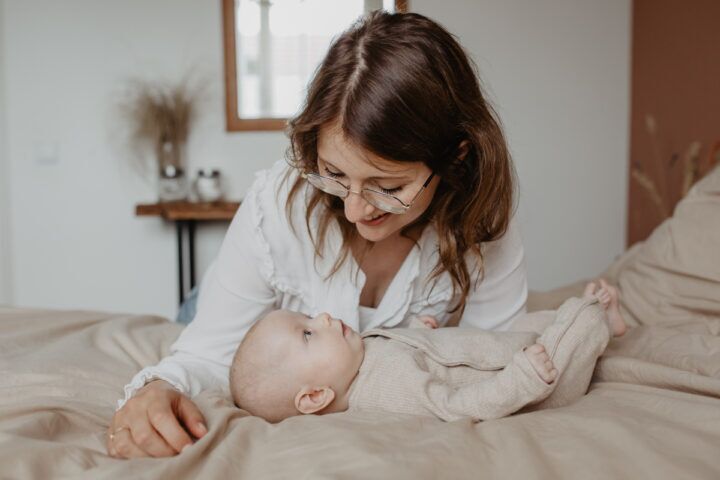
{"x": 325, "y": 319}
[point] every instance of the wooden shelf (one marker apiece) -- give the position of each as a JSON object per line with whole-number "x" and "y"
{"x": 198, "y": 211}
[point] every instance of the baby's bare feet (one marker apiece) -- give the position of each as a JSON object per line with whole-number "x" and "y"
{"x": 617, "y": 322}
{"x": 609, "y": 298}
{"x": 540, "y": 360}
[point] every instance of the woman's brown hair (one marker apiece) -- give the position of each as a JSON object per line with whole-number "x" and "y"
{"x": 400, "y": 86}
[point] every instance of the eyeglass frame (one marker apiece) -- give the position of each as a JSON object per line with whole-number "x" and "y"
{"x": 348, "y": 191}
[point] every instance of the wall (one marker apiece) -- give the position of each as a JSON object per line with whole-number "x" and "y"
{"x": 5, "y": 273}
{"x": 76, "y": 240}
{"x": 558, "y": 73}
{"x": 675, "y": 103}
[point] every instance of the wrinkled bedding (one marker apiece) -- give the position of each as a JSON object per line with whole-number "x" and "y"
{"x": 652, "y": 409}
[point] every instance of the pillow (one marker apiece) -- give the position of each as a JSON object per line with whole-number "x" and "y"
{"x": 674, "y": 275}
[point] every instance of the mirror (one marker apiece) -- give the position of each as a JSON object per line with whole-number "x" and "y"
{"x": 272, "y": 48}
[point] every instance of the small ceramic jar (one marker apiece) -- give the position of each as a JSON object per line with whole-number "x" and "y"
{"x": 208, "y": 187}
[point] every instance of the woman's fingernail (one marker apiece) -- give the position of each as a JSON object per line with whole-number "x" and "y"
{"x": 185, "y": 447}
{"x": 203, "y": 428}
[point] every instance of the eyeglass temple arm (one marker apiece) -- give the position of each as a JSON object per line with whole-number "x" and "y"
{"x": 427, "y": 182}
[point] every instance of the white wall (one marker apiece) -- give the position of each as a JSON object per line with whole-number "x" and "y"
{"x": 76, "y": 241}
{"x": 558, "y": 71}
{"x": 5, "y": 280}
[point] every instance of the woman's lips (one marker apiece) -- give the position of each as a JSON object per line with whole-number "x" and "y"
{"x": 376, "y": 221}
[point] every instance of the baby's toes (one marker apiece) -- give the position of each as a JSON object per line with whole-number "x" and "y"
{"x": 590, "y": 289}
{"x": 604, "y": 299}
{"x": 548, "y": 372}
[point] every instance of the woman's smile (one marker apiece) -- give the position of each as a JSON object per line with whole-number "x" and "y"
{"x": 375, "y": 221}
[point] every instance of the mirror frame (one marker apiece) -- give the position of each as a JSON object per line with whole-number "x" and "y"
{"x": 234, "y": 123}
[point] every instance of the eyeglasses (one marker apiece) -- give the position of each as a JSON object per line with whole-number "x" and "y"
{"x": 383, "y": 201}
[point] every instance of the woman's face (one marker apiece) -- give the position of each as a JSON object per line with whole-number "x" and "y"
{"x": 352, "y": 167}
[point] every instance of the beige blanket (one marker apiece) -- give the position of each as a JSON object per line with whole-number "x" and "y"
{"x": 652, "y": 410}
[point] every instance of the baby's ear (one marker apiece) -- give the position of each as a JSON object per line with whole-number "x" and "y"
{"x": 313, "y": 399}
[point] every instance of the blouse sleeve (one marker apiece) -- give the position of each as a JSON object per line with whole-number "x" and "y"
{"x": 502, "y": 294}
{"x": 235, "y": 292}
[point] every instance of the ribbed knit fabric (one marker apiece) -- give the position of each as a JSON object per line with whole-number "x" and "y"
{"x": 453, "y": 373}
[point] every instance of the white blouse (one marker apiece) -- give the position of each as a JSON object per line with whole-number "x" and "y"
{"x": 265, "y": 264}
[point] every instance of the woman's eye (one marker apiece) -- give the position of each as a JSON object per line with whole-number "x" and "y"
{"x": 332, "y": 174}
{"x": 390, "y": 191}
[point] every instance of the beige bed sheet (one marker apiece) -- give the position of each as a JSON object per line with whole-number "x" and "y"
{"x": 652, "y": 410}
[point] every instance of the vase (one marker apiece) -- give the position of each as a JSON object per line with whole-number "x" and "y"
{"x": 172, "y": 185}
{"x": 172, "y": 182}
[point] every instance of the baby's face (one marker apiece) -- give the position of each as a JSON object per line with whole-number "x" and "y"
{"x": 322, "y": 351}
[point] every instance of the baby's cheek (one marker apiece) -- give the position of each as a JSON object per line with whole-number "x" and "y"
{"x": 340, "y": 364}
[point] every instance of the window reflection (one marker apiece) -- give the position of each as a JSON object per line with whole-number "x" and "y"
{"x": 279, "y": 44}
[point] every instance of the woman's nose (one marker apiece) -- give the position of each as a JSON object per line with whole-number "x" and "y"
{"x": 356, "y": 207}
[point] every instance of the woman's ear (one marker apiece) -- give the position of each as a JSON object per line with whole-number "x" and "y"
{"x": 313, "y": 399}
{"x": 463, "y": 149}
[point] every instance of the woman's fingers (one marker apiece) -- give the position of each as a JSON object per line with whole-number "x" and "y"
{"x": 121, "y": 444}
{"x": 149, "y": 423}
{"x": 191, "y": 416}
{"x": 126, "y": 447}
{"x": 168, "y": 426}
{"x": 147, "y": 439}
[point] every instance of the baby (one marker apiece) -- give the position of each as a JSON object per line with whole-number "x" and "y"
{"x": 290, "y": 364}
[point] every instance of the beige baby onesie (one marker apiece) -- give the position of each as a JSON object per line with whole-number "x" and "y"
{"x": 452, "y": 373}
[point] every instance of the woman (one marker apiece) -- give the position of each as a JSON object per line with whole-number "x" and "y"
{"x": 397, "y": 203}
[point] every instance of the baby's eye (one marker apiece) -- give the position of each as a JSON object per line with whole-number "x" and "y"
{"x": 306, "y": 334}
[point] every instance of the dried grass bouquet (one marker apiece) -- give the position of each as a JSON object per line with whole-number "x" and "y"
{"x": 690, "y": 164}
{"x": 160, "y": 117}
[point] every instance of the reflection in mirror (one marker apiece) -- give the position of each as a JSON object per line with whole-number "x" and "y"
{"x": 272, "y": 48}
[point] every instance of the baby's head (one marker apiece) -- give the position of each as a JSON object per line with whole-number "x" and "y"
{"x": 290, "y": 364}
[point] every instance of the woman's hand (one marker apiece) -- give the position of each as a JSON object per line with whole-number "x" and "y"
{"x": 149, "y": 424}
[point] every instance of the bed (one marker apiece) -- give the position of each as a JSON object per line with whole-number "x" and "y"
{"x": 652, "y": 410}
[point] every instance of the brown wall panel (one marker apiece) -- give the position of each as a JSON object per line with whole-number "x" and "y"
{"x": 675, "y": 125}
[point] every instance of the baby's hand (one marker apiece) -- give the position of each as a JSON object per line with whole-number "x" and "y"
{"x": 540, "y": 361}
{"x": 429, "y": 321}
{"x": 423, "y": 321}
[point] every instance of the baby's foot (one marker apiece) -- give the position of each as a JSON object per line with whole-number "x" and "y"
{"x": 590, "y": 289}
{"x": 540, "y": 360}
{"x": 609, "y": 297}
